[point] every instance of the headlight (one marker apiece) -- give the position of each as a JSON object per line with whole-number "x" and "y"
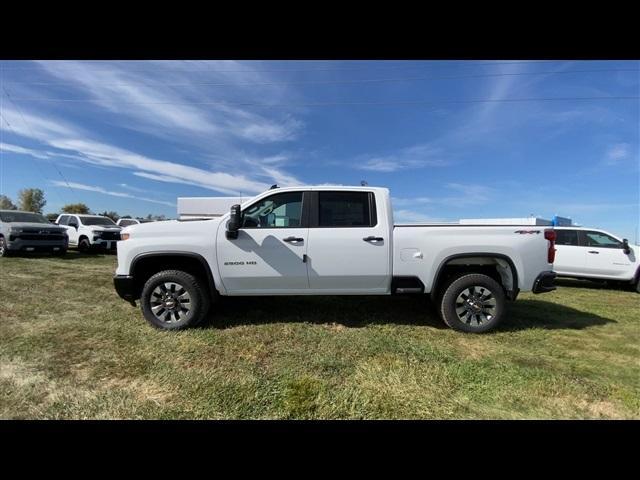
{"x": 15, "y": 230}
{"x": 96, "y": 233}
{"x": 124, "y": 236}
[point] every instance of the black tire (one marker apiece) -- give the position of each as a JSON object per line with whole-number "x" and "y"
{"x": 638, "y": 286}
{"x": 198, "y": 304}
{"x": 4, "y": 251}
{"x": 83, "y": 245}
{"x": 483, "y": 308}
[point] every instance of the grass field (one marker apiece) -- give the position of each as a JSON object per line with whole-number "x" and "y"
{"x": 71, "y": 348}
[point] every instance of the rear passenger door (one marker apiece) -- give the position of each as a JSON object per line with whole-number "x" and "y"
{"x": 348, "y": 247}
{"x": 570, "y": 256}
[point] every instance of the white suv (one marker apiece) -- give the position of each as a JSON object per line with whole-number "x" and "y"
{"x": 87, "y": 231}
{"x": 595, "y": 254}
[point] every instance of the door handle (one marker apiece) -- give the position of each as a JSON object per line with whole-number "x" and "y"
{"x": 293, "y": 239}
{"x": 373, "y": 239}
{"x": 593, "y": 251}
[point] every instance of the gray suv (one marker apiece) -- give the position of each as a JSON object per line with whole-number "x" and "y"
{"x": 30, "y": 232}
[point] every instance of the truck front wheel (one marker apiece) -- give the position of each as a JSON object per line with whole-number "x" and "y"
{"x": 174, "y": 300}
{"x": 473, "y": 303}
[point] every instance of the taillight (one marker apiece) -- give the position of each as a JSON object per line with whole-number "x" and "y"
{"x": 550, "y": 235}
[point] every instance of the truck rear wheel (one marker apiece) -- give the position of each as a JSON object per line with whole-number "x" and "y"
{"x": 473, "y": 303}
{"x": 173, "y": 300}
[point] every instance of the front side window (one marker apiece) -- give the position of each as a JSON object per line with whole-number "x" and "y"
{"x": 344, "y": 209}
{"x": 64, "y": 220}
{"x": 283, "y": 210}
{"x": 602, "y": 240}
{"x": 567, "y": 237}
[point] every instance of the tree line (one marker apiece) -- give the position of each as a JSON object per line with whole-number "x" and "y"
{"x": 32, "y": 200}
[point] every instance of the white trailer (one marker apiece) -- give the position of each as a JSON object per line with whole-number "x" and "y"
{"x": 205, "y": 207}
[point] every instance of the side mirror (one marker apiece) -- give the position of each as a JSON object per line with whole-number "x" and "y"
{"x": 625, "y": 246}
{"x": 235, "y": 221}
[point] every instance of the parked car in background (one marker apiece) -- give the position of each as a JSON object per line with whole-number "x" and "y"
{"x": 30, "y": 232}
{"x": 90, "y": 231}
{"x": 329, "y": 241}
{"x": 591, "y": 253}
{"x": 125, "y": 222}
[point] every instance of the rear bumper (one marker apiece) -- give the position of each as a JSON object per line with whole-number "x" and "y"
{"x": 125, "y": 287}
{"x": 544, "y": 282}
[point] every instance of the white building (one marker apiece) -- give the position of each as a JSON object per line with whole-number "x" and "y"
{"x": 205, "y": 207}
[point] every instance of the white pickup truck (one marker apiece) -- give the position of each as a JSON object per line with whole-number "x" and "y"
{"x": 329, "y": 241}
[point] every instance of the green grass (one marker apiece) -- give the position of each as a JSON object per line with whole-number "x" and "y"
{"x": 71, "y": 348}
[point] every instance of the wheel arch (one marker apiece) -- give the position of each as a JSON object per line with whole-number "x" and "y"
{"x": 447, "y": 262}
{"x": 146, "y": 264}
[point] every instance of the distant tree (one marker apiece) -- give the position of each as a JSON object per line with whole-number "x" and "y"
{"x": 76, "y": 208}
{"x": 31, "y": 200}
{"x": 112, "y": 215}
{"x": 6, "y": 203}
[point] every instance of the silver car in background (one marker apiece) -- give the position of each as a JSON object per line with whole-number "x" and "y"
{"x": 30, "y": 232}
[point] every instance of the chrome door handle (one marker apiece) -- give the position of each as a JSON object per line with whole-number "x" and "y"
{"x": 593, "y": 251}
{"x": 373, "y": 239}
{"x": 293, "y": 239}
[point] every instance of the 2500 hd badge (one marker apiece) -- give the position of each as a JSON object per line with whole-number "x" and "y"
{"x": 240, "y": 263}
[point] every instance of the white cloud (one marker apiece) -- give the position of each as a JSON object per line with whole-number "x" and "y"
{"x": 7, "y": 147}
{"x": 616, "y": 153}
{"x": 76, "y": 144}
{"x": 417, "y": 156}
{"x": 140, "y": 97}
{"x": 93, "y": 188}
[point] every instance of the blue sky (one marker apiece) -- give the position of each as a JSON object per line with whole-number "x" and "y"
{"x": 445, "y": 136}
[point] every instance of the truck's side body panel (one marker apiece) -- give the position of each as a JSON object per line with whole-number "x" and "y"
{"x": 420, "y": 250}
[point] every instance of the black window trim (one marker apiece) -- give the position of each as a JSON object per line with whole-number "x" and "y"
{"x": 303, "y": 211}
{"x": 314, "y": 207}
{"x": 578, "y": 238}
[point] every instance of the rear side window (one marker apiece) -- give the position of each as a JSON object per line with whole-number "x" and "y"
{"x": 344, "y": 209}
{"x": 602, "y": 240}
{"x": 567, "y": 237}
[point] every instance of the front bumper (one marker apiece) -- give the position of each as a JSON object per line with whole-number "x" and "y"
{"x": 544, "y": 282}
{"x": 125, "y": 287}
{"x": 20, "y": 244}
{"x": 110, "y": 245}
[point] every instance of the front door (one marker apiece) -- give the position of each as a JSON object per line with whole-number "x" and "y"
{"x": 605, "y": 256}
{"x": 71, "y": 231}
{"x": 269, "y": 255}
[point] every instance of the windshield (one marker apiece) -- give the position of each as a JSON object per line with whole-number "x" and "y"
{"x": 97, "y": 221}
{"x": 10, "y": 217}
